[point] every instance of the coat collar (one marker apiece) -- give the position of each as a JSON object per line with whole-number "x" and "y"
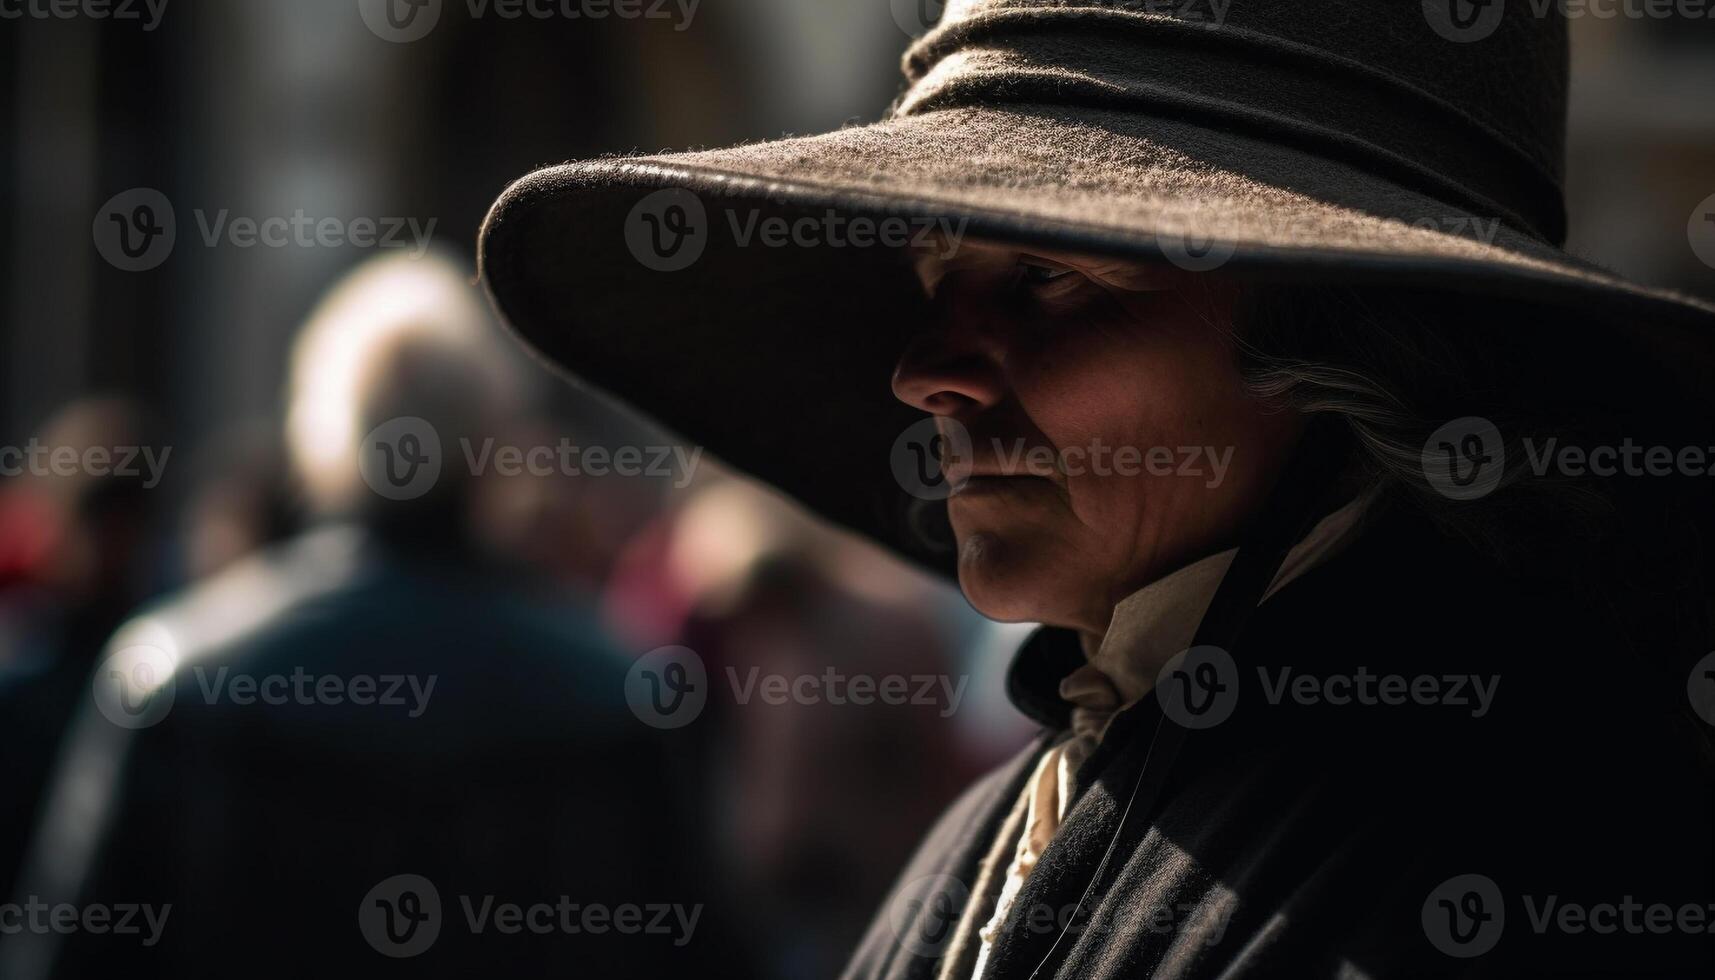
{"x": 1153, "y": 615}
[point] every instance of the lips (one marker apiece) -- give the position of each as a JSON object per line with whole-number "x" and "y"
{"x": 1024, "y": 464}
{"x": 969, "y": 456}
{"x": 1023, "y": 472}
{"x": 991, "y": 483}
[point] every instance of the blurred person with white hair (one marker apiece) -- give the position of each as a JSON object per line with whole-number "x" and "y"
{"x": 367, "y": 747}
{"x": 402, "y": 348}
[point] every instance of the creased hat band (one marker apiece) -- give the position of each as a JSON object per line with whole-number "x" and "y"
{"x": 1337, "y": 109}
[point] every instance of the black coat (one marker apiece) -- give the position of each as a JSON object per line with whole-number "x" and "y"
{"x": 1317, "y": 839}
{"x": 523, "y": 777}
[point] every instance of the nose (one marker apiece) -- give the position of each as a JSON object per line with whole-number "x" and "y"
{"x": 954, "y": 368}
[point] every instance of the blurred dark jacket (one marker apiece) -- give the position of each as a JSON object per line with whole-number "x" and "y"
{"x": 519, "y": 778}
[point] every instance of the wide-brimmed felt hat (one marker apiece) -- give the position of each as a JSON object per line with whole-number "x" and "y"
{"x": 754, "y": 299}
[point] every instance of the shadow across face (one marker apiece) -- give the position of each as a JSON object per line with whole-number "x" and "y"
{"x": 1112, "y": 438}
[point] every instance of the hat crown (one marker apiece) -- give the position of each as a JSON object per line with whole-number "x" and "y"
{"x": 1463, "y": 99}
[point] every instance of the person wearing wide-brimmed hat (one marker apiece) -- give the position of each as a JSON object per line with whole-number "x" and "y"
{"x": 1365, "y": 521}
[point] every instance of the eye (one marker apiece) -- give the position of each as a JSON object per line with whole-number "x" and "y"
{"x": 1035, "y": 273}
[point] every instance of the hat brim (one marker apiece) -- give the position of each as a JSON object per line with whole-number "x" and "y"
{"x": 776, "y": 352}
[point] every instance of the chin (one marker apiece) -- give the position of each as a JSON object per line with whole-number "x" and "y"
{"x": 1012, "y": 582}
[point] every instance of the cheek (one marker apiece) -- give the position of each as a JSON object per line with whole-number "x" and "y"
{"x": 1126, "y": 407}
{"x": 1140, "y": 390}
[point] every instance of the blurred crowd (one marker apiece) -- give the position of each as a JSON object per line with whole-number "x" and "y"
{"x": 514, "y": 603}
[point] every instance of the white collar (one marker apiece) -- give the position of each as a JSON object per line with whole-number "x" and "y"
{"x": 1159, "y": 620}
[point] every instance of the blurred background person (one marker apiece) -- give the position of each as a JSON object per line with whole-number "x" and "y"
{"x": 72, "y": 540}
{"x": 761, "y": 592}
{"x": 505, "y": 768}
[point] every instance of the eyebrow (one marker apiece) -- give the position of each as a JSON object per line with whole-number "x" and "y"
{"x": 1045, "y": 260}
{"x": 931, "y": 268}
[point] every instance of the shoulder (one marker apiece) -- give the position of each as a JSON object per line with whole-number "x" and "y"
{"x": 329, "y": 612}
